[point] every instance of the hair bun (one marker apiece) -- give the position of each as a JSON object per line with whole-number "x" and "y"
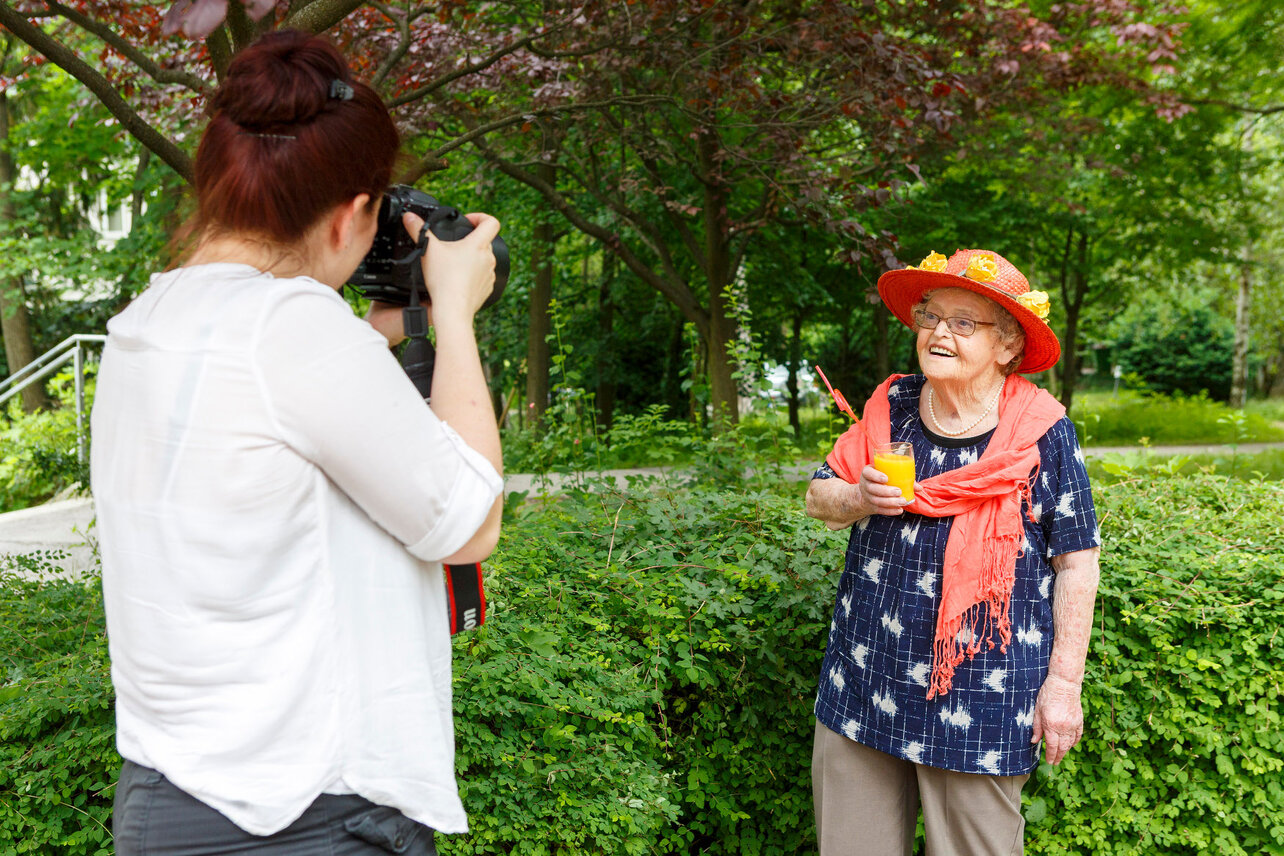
{"x": 280, "y": 81}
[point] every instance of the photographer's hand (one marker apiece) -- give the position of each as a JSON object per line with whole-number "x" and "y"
{"x": 459, "y": 276}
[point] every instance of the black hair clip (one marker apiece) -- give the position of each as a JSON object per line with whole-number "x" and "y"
{"x": 341, "y": 90}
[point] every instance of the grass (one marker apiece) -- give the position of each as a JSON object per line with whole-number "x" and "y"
{"x": 1108, "y": 469}
{"x": 1131, "y": 418}
{"x": 1271, "y": 409}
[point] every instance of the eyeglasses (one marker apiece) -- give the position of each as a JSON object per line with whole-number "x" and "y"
{"x": 957, "y": 325}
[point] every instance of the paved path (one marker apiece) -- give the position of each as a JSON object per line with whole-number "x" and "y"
{"x": 66, "y": 525}
{"x": 1169, "y": 451}
{"x": 63, "y": 525}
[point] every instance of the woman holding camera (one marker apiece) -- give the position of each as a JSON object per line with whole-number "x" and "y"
{"x": 275, "y": 499}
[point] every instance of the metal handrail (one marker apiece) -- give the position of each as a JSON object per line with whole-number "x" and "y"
{"x": 70, "y": 348}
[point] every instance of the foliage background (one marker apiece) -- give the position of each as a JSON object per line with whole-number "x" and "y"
{"x": 645, "y": 681}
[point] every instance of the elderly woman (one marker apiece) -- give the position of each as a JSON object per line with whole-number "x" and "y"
{"x": 962, "y": 620}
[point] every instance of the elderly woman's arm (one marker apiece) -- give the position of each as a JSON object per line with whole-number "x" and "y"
{"x": 1058, "y": 712}
{"x": 840, "y": 503}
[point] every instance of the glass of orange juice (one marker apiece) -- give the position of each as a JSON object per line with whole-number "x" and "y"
{"x": 897, "y": 461}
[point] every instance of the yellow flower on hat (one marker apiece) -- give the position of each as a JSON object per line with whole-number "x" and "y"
{"x": 1036, "y": 302}
{"x": 982, "y": 268}
{"x": 934, "y": 262}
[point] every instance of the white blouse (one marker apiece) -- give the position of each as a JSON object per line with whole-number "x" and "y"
{"x": 273, "y": 501}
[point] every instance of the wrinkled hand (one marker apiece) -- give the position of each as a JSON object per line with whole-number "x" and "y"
{"x": 878, "y": 496}
{"x": 841, "y": 504}
{"x": 1058, "y": 717}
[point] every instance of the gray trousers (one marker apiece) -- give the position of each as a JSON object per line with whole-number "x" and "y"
{"x": 867, "y": 804}
{"x": 151, "y": 817}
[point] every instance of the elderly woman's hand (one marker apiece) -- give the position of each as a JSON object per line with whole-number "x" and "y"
{"x": 879, "y": 497}
{"x": 840, "y": 503}
{"x": 1058, "y": 717}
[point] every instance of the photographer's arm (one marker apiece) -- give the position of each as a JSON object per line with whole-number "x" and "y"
{"x": 459, "y": 276}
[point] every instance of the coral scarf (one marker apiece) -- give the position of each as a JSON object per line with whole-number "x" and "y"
{"x": 985, "y": 499}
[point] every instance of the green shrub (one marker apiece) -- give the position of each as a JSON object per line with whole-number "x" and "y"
{"x": 564, "y": 441}
{"x": 645, "y": 682}
{"x": 1183, "y": 751}
{"x": 1177, "y": 348}
{"x": 38, "y": 455}
{"x": 706, "y": 600}
{"x": 58, "y": 757}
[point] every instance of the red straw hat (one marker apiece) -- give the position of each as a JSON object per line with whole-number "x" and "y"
{"x": 989, "y": 275}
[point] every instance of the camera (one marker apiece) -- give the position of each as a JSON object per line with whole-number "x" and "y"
{"x": 387, "y": 271}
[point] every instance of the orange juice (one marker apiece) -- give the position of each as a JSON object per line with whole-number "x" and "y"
{"x": 899, "y": 469}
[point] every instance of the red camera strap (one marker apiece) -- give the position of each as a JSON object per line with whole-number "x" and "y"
{"x": 465, "y": 596}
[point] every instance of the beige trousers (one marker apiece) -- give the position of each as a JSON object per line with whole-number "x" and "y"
{"x": 867, "y": 804}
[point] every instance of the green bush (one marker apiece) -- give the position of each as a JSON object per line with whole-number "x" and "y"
{"x": 1177, "y": 348}
{"x": 645, "y": 682}
{"x": 706, "y": 602}
{"x": 1183, "y": 750}
{"x": 58, "y": 760}
{"x": 1134, "y": 417}
{"x": 38, "y": 455}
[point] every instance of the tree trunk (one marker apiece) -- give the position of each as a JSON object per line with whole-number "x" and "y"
{"x": 795, "y": 365}
{"x": 537, "y": 353}
{"x": 1239, "y": 358}
{"x": 674, "y": 362}
{"x": 882, "y": 346}
{"x": 723, "y": 393}
{"x": 607, "y": 387}
{"x": 1072, "y": 297}
{"x": 1239, "y": 365}
{"x": 15, "y": 324}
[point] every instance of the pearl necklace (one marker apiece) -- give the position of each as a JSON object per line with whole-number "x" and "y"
{"x": 931, "y": 411}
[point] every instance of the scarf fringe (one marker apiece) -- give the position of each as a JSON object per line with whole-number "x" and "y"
{"x": 998, "y": 576}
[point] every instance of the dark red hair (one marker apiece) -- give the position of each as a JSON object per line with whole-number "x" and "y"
{"x": 283, "y": 147}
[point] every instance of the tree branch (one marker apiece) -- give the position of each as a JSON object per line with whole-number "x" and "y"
{"x": 677, "y": 293}
{"x": 220, "y": 50}
{"x": 679, "y": 225}
{"x": 471, "y": 68}
{"x": 1240, "y": 108}
{"x": 433, "y": 160}
{"x": 403, "y": 41}
{"x": 133, "y": 54}
{"x": 63, "y": 57}
{"x": 320, "y": 15}
{"x": 648, "y": 232}
{"x": 240, "y": 27}
{"x": 588, "y": 51}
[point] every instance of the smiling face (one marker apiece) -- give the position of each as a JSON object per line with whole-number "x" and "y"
{"x": 970, "y": 362}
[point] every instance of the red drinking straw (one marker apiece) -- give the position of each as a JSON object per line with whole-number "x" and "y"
{"x": 843, "y": 406}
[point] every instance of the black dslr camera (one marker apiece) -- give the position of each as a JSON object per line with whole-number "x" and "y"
{"x": 390, "y": 269}
{"x": 391, "y": 272}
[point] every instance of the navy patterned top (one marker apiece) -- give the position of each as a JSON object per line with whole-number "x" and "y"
{"x": 874, "y": 678}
